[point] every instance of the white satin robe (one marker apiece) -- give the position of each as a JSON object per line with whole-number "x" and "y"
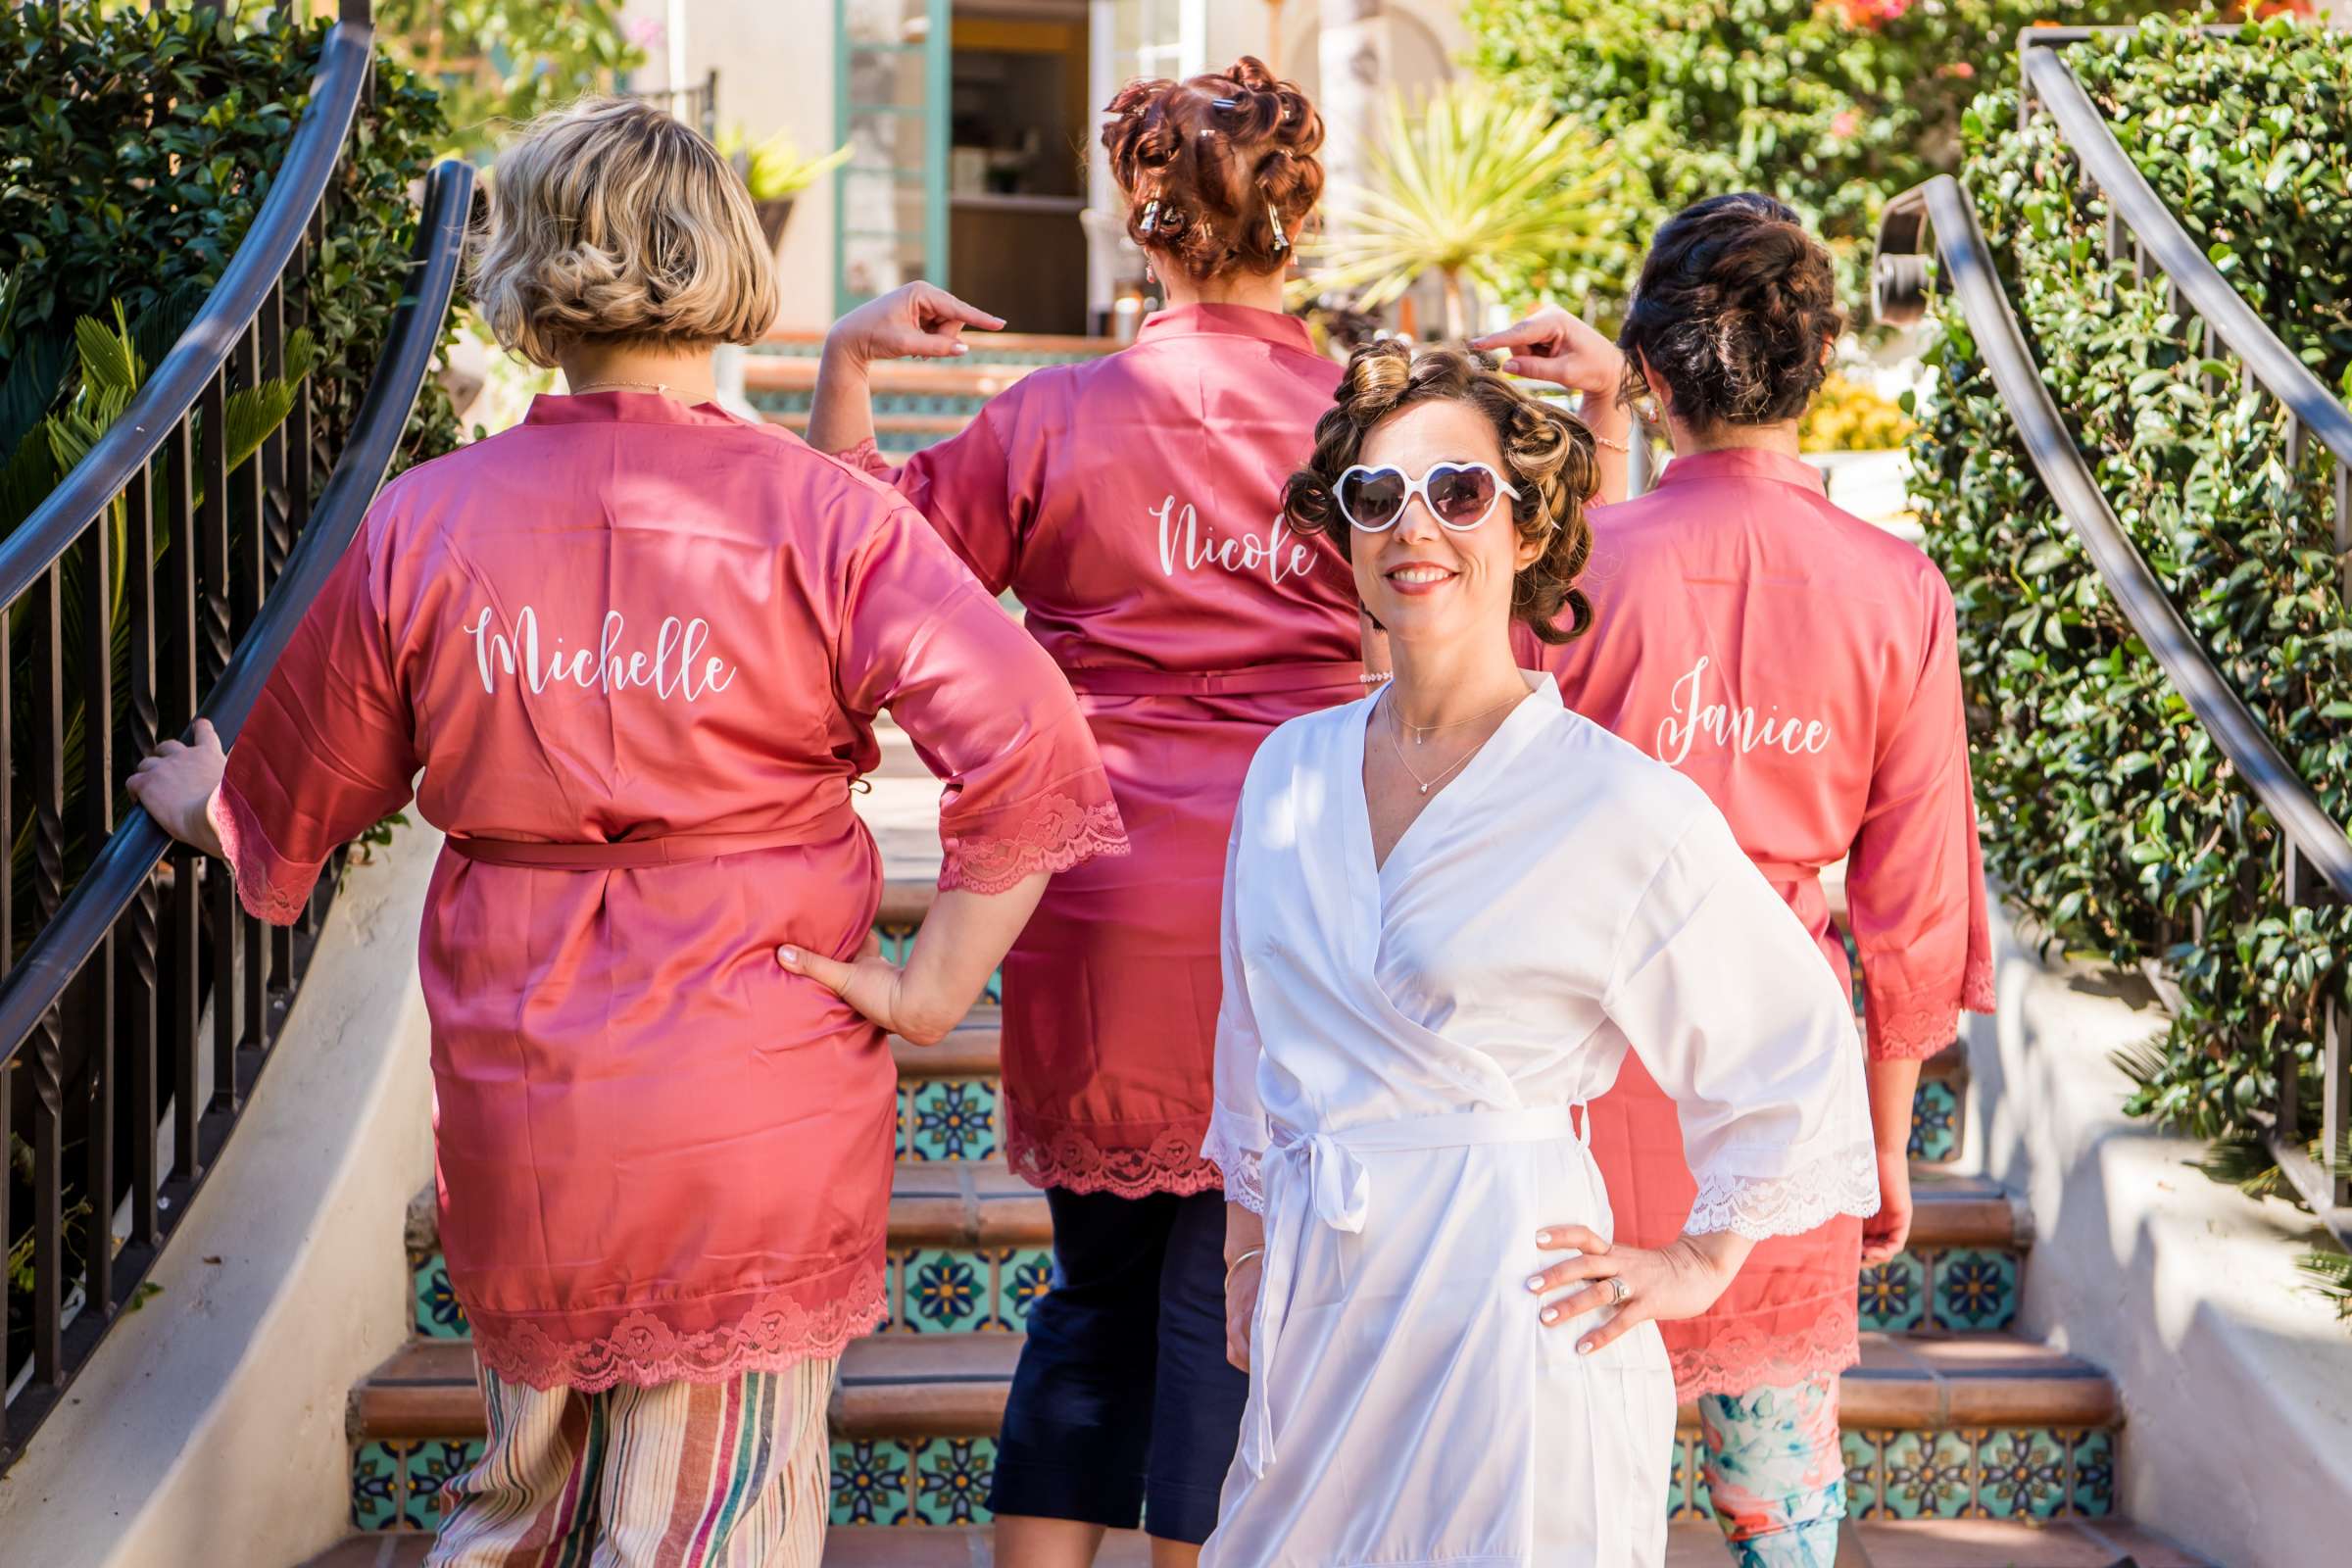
{"x": 1402, "y": 1055}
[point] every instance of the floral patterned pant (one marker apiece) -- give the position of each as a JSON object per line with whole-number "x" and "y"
{"x": 1776, "y": 1473}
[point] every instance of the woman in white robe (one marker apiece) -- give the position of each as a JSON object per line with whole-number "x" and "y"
{"x": 1451, "y": 910}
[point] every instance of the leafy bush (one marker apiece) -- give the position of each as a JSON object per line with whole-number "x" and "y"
{"x": 1847, "y": 416}
{"x": 1831, "y": 104}
{"x": 496, "y": 63}
{"x": 146, "y": 144}
{"x": 2108, "y": 813}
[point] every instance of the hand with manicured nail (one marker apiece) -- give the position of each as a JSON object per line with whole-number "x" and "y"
{"x": 962, "y": 939}
{"x": 1551, "y": 345}
{"x": 914, "y": 320}
{"x": 1679, "y": 1280}
{"x": 175, "y": 785}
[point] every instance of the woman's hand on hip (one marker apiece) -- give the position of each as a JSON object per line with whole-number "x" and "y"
{"x": 869, "y": 982}
{"x": 1682, "y": 1279}
{"x": 1551, "y": 345}
{"x": 916, "y": 320}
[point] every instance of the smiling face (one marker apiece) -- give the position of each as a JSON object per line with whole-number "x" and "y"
{"x": 1425, "y": 582}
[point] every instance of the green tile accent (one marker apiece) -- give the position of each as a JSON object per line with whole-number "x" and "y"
{"x": 2021, "y": 1475}
{"x": 1678, "y": 1484}
{"x": 2091, "y": 1466}
{"x": 1930, "y": 1475}
{"x": 431, "y": 1466}
{"x": 946, "y": 1293}
{"x": 900, "y": 1141}
{"x": 1893, "y": 1295}
{"x": 1864, "y": 1475}
{"x": 1975, "y": 1289}
{"x": 1023, "y": 1276}
{"x": 870, "y": 1483}
{"x": 438, "y": 1314}
{"x": 952, "y": 1118}
{"x": 951, "y": 1480}
{"x": 1935, "y": 1123}
{"x": 377, "y": 1470}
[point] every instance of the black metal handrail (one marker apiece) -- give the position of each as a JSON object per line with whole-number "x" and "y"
{"x": 120, "y": 869}
{"x": 2318, "y": 852}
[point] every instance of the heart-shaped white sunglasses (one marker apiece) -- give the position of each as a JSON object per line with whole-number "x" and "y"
{"x": 1460, "y": 495}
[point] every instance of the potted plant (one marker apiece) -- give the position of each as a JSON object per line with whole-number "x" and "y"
{"x": 775, "y": 171}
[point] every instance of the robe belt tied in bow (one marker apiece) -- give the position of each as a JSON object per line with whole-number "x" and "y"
{"x": 1312, "y": 1177}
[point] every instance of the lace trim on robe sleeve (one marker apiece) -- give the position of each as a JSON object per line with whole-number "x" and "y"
{"x": 1047, "y": 834}
{"x": 866, "y": 456}
{"x": 269, "y": 886}
{"x": 1842, "y": 1182}
{"x": 1914, "y": 1026}
{"x": 1244, "y": 1168}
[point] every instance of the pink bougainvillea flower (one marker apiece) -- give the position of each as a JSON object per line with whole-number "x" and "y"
{"x": 1847, "y": 123}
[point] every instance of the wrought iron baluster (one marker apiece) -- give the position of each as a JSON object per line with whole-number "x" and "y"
{"x": 94, "y": 988}
{"x": 212, "y": 584}
{"x": 44, "y": 1051}
{"x": 249, "y": 568}
{"x": 175, "y": 712}
{"x": 136, "y": 981}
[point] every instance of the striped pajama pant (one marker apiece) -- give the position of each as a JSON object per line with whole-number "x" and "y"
{"x": 682, "y": 1475}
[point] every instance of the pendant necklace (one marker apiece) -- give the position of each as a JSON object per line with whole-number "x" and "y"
{"x": 1420, "y": 731}
{"x": 1426, "y": 785}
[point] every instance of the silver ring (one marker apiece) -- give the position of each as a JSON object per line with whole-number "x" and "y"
{"x": 1621, "y": 1293}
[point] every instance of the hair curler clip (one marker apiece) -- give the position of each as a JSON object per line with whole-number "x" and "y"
{"x": 1282, "y": 241}
{"x": 1150, "y": 217}
{"x": 1225, "y": 103}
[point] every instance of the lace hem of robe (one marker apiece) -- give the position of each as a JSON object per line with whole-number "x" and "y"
{"x": 271, "y": 887}
{"x": 1243, "y": 1170}
{"x": 1911, "y": 1026}
{"x": 1845, "y": 1182}
{"x": 1051, "y": 833}
{"x": 776, "y": 1333}
{"x": 1746, "y": 1360}
{"x": 1075, "y": 1163}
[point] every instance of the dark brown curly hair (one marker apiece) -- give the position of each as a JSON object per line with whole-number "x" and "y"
{"x": 1547, "y": 453}
{"x": 1733, "y": 310}
{"x": 1209, "y": 166}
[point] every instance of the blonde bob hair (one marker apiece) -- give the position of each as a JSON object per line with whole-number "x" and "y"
{"x": 610, "y": 220}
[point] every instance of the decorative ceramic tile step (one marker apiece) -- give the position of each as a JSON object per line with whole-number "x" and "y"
{"x": 780, "y": 373}
{"x": 1938, "y": 1121}
{"x": 971, "y": 1252}
{"x": 886, "y": 425}
{"x": 985, "y": 348}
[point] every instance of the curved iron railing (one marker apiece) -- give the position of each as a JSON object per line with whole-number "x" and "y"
{"x": 211, "y": 587}
{"x": 2318, "y": 852}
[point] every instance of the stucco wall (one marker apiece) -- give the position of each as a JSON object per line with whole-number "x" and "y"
{"x": 2236, "y": 1376}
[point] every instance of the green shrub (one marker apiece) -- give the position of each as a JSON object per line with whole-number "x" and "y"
{"x": 1831, "y": 104}
{"x": 144, "y": 144}
{"x": 2108, "y": 813}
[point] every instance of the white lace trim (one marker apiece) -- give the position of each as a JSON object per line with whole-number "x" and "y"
{"x": 1244, "y": 1179}
{"x": 1845, "y": 1182}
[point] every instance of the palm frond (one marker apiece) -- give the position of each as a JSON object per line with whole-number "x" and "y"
{"x": 2331, "y": 1273}
{"x": 1472, "y": 184}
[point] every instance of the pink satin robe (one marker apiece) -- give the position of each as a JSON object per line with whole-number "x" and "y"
{"x": 1798, "y": 664}
{"x": 1133, "y": 505}
{"x": 660, "y": 1156}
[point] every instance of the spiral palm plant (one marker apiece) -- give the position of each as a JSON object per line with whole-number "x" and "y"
{"x": 1480, "y": 188}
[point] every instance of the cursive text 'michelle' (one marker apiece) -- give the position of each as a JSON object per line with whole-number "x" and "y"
{"x": 670, "y": 670}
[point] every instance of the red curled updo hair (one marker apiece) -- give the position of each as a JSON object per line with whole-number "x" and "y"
{"x": 1209, "y": 166}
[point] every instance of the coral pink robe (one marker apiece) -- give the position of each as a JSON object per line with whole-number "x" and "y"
{"x": 1799, "y": 665}
{"x": 1133, "y": 505}
{"x": 636, "y": 650}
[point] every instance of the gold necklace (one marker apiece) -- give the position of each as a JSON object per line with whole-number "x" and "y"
{"x": 662, "y": 387}
{"x": 1420, "y": 730}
